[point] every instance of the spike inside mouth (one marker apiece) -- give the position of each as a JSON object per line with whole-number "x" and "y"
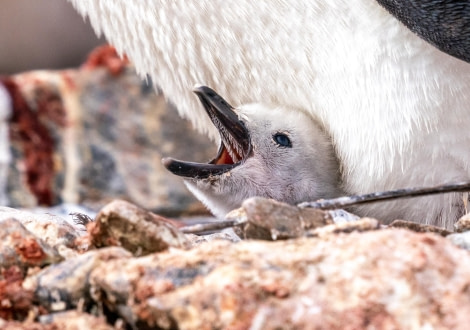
{"x": 235, "y": 144}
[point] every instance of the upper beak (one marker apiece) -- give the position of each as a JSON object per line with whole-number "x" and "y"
{"x": 225, "y": 119}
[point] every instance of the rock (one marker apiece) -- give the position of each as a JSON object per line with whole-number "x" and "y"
{"x": 267, "y": 219}
{"x": 462, "y": 240}
{"x": 361, "y": 225}
{"x": 383, "y": 279}
{"x": 62, "y": 286}
{"x": 195, "y": 240}
{"x": 419, "y": 228}
{"x": 340, "y": 215}
{"x": 70, "y": 144}
{"x": 123, "y": 224}
{"x": 74, "y": 320}
{"x": 16, "y": 302}
{"x": 463, "y": 224}
{"x": 65, "y": 211}
{"x": 55, "y": 231}
{"x": 28, "y": 325}
{"x": 71, "y": 320}
{"x": 19, "y": 247}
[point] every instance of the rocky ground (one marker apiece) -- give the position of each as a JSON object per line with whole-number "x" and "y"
{"x": 131, "y": 269}
{"x": 130, "y": 257}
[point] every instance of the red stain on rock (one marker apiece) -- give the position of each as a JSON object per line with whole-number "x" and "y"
{"x": 30, "y": 251}
{"x": 15, "y": 302}
{"x": 49, "y": 105}
{"x": 106, "y": 56}
{"x": 35, "y": 138}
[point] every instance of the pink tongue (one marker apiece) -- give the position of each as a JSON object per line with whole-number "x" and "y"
{"x": 224, "y": 158}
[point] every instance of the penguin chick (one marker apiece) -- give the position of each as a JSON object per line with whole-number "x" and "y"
{"x": 264, "y": 151}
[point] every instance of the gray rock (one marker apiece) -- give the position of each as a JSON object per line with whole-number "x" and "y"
{"x": 462, "y": 240}
{"x": 340, "y": 215}
{"x": 62, "y": 286}
{"x": 123, "y": 224}
{"x": 262, "y": 218}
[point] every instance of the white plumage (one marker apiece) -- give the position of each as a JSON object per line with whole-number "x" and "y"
{"x": 394, "y": 106}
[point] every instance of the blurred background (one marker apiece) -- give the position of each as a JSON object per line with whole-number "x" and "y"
{"x": 69, "y": 145}
{"x": 45, "y": 34}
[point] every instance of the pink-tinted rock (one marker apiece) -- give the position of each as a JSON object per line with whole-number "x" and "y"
{"x": 15, "y": 301}
{"x": 15, "y": 325}
{"x": 19, "y": 247}
{"x": 386, "y": 279}
{"x": 53, "y": 230}
{"x": 71, "y": 320}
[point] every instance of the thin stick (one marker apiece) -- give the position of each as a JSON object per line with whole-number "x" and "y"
{"x": 335, "y": 203}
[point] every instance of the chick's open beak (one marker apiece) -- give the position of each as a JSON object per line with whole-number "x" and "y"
{"x": 235, "y": 144}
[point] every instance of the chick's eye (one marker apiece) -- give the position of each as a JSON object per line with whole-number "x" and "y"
{"x": 282, "y": 139}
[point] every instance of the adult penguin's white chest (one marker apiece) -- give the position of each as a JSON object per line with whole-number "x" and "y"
{"x": 400, "y": 114}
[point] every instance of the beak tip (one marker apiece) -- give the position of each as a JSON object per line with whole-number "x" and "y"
{"x": 167, "y": 161}
{"x": 198, "y": 88}
{"x": 205, "y": 91}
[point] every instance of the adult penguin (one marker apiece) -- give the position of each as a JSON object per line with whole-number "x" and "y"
{"x": 394, "y": 107}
